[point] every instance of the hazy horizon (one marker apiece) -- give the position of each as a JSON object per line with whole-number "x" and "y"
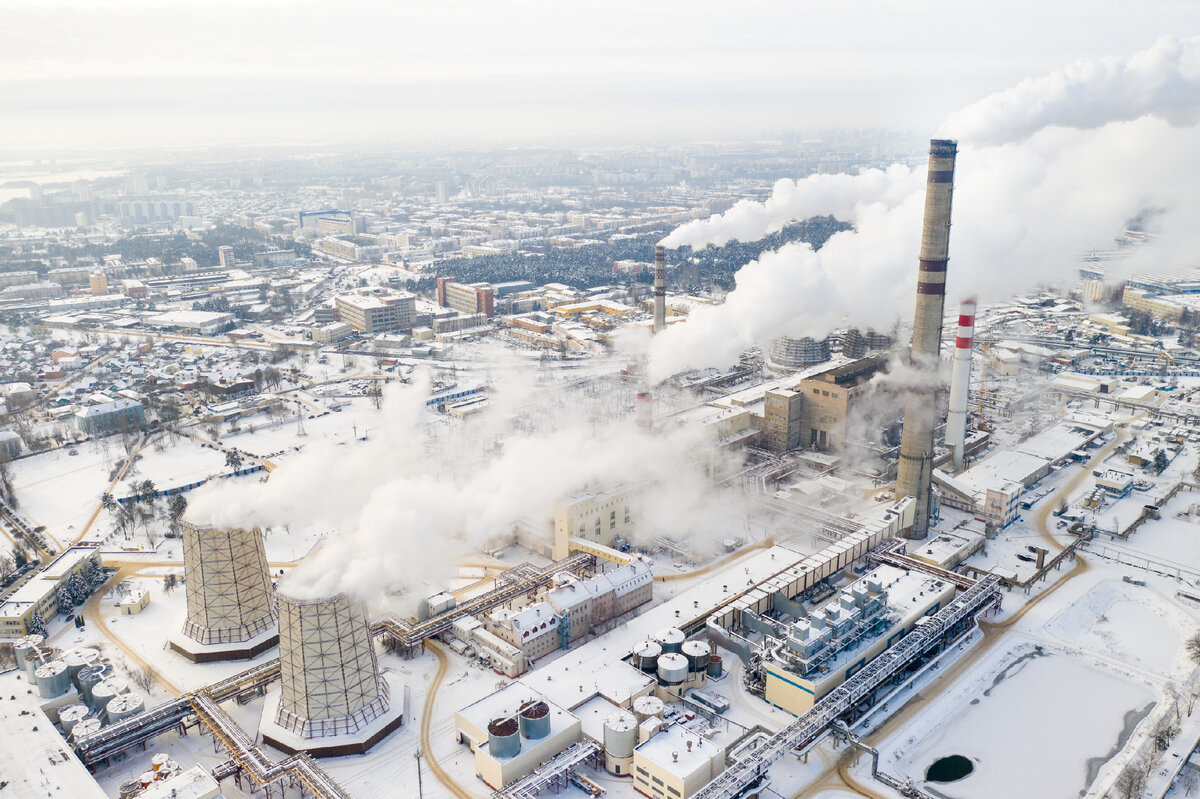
{"x": 136, "y": 74}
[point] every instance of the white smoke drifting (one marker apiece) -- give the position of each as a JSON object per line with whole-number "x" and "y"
{"x": 404, "y": 506}
{"x": 1070, "y": 178}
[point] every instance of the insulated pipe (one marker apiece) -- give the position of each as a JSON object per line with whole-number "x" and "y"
{"x": 660, "y": 288}
{"x": 916, "y": 445}
{"x": 960, "y": 381}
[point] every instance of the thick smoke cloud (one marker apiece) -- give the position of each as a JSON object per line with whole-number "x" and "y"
{"x": 403, "y": 507}
{"x": 1024, "y": 211}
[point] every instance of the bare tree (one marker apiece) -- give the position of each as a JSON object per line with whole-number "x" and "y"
{"x": 142, "y": 677}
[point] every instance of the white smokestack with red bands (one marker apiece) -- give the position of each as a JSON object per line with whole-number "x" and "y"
{"x": 960, "y": 381}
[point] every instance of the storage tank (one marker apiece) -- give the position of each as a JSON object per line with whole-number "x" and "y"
{"x": 158, "y": 761}
{"x": 504, "y": 738}
{"x": 130, "y": 789}
{"x": 645, "y": 656}
{"x": 85, "y": 728}
{"x": 122, "y": 706}
{"x": 697, "y": 653}
{"x": 672, "y": 668}
{"x": 649, "y": 706}
{"x": 53, "y": 679}
{"x": 715, "y": 666}
{"x": 670, "y": 639}
{"x": 105, "y": 691}
{"x": 534, "y": 717}
{"x": 71, "y": 715}
{"x": 78, "y": 659}
{"x": 89, "y": 677}
{"x": 620, "y": 737}
{"x": 23, "y": 649}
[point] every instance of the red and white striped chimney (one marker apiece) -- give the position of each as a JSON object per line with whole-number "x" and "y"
{"x": 960, "y": 381}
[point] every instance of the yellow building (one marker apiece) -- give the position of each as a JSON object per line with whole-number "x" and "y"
{"x": 1158, "y": 307}
{"x": 40, "y": 594}
{"x": 828, "y": 398}
{"x": 676, "y": 763}
{"x": 599, "y": 517}
{"x": 837, "y": 640}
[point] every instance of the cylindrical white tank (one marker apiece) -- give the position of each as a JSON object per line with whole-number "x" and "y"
{"x": 620, "y": 737}
{"x": 672, "y": 668}
{"x": 53, "y": 679}
{"x": 645, "y": 656}
{"x": 960, "y": 381}
{"x": 649, "y": 706}
{"x": 79, "y": 658}
{"x": 85, "y": 728}
{"x": 71, "y": 715}
{"x": 504, "y": 738}
{"x": 697, "y": 653}
{"x": 122, "y": 706}
{"x": 670, "y": 639}
{"x": 23, "y": 652}
{"x": 105, "y": 691}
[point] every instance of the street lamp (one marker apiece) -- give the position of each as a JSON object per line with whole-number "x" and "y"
{"x": 420, "y": 789}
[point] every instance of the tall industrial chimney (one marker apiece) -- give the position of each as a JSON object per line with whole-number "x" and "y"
{"x": 660, "y": 288}
{"x": 916, "y": 445}
{"x": 960, "y": 381}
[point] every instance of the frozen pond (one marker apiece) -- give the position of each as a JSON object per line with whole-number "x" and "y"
{"x": 1036, "y": 724}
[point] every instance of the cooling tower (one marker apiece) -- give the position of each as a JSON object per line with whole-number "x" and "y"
{"x": 960, "y": 381}
{"x": 230, "y": 601}
{"x": 916, "y": 445}
{"x": 660, "y": 289}
{"x": 333, "y": 699}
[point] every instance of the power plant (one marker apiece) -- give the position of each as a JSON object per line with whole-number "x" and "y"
{"x": 920, "y": 414}
{"x": 333, "y": 701}
{"x": 230, "y": 600}
{"x": 960, "y": 381}
{"x": 660, "y": 288}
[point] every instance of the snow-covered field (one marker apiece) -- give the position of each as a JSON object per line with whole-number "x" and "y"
{"x": 1038, "y": 724}
{"x": 61, "y": 491}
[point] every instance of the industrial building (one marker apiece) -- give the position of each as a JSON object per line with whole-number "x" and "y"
{"x": 812, "y": 656}
{"x": 604, "y": 517}
{"x": 40, "y": 596}
{"x": 230, "y": 598}
{"x": 676, "y": 763}
{"x": 513, "y": 731}
{"x": 196, "y": 323}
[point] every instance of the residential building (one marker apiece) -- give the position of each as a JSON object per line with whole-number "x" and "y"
{"x": 466, "y": 298}
{"x": 120, "y": 415}
{"x": 377, "y": 313}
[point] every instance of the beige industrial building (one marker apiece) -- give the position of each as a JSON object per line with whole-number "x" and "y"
{"x": 377, "y": 313}
{"x": 676, "y": 763}
{"x": 827, "y": 648}
{"x": 828, "y": 398}
{"x": 601, "y": 517}
{"x": 40, "y": 595}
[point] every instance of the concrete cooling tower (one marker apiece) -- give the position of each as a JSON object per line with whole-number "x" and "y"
{"x": 333, "y": 700}
{"x": 230, "y": 600}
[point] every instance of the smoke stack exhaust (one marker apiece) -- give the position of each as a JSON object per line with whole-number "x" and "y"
{"x": 960, "y": 381}
{"x": 916, "y": 445}
{"x": 660, "y": 288}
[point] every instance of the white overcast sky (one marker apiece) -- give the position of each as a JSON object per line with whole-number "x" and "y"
{"x": 80, "y": 74}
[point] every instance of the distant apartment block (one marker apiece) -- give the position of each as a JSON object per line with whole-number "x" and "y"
{"x": 117, "y": 416}
{"x": 377, "y": 313}
{"x": 466, "y": 298}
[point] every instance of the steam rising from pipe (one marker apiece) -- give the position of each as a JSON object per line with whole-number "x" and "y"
{"x": 1063, "y": 176}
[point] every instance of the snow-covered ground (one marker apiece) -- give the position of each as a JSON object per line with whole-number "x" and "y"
{"x": 62, "y": 491}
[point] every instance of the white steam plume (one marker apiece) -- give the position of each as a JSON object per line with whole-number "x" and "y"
{"x": 1161, "y": 81}
{"x": 401, "y": 507}
{"x": 1023, "y": 214}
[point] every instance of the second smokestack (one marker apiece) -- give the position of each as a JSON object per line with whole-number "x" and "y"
{"x": 960, "y": 381}
{"x": 660, "y": 288}
{"x": 916, "y": 445}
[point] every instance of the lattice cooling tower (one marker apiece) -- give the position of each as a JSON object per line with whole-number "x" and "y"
{"x": 331, "y": 682}
{"x": 229, "y": 593}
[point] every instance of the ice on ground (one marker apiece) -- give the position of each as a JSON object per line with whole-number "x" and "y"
{"x": 1020, "y": 706}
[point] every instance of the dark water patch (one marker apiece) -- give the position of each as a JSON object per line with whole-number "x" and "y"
{"x": 1094, "y": 764}
{"x": 951, "y": 768}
